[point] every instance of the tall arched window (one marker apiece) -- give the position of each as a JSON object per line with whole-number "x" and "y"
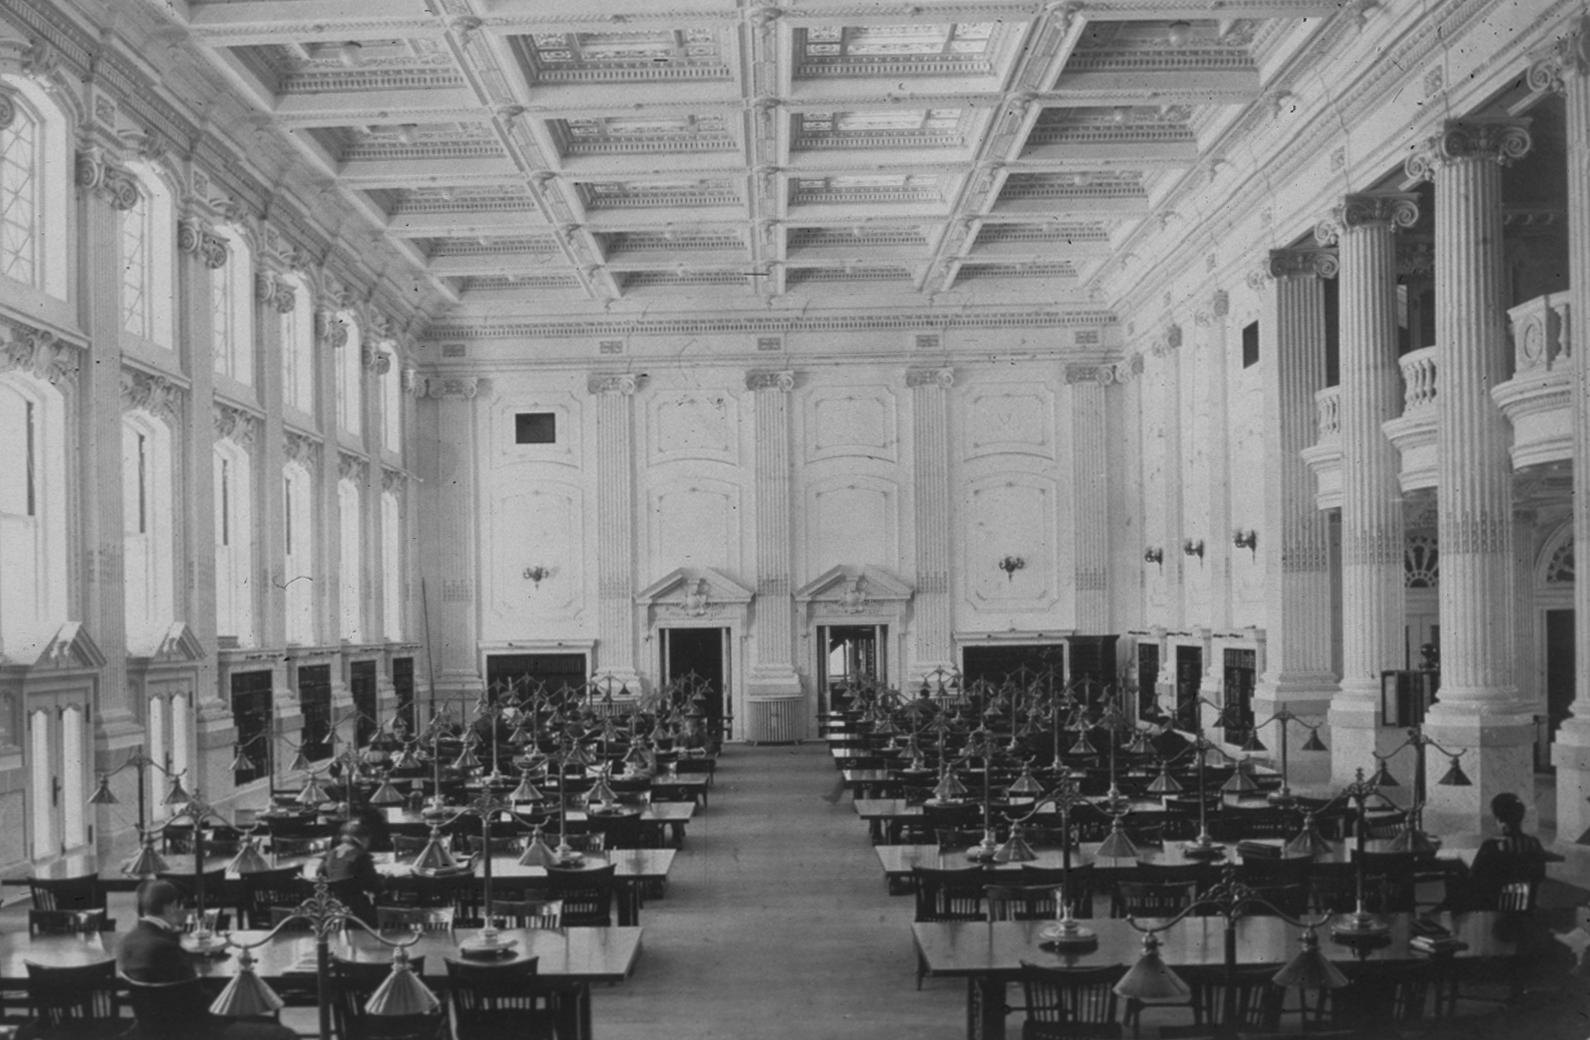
{"x": 350, "y": 513}
{"x": 147, "y": 524}
{"x": 350, "y": 381}
{"x": 392, "y": 566}
{"x": 148, "y": 275}
{"x": 35, "y": 175}
{"x": 299, "y": 562}
{"x": 232, "y": 310}
{"x": 32, "y": 512}
{"x": 392, "y": 405}
{"x": 234, "y": 542}
{"x": 298, "y": 350}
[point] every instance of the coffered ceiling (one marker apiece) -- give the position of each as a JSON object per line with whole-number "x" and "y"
{"x": 568, "y": 156}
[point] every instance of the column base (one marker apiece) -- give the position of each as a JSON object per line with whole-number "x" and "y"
{"x": 1354, "y": 725}
{"x": 1498, "y": 756}
{"x": 1570, "y": 753}
{"x": 1308, "y": 696}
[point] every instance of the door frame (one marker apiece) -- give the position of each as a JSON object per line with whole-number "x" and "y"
{"x": 726, "y": 641}
{"x": 699, "y": 597}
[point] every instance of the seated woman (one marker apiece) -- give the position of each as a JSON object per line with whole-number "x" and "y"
{"x": 1509, "y": 858}
{"x": 169, "y": 1001}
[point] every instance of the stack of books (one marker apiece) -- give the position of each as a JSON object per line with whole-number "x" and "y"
{"x": 1431, "y": 936}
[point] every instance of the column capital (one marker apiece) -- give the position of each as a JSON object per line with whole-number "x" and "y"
{"x": 782, "y": 380}
{"x": 621, "y": 383}
{"x": 1368, "y": 209}
{"x": 271, "y": 288}
{"x": 1569, "y": 55}
{"x": 1302, "y": 263}
{"x": 1102, "y": 375}
{"x": 149, "y": 392}
{"x": 943, "y": 378}
{"x": 1503, "y": 141}
{"x": 194, "y": 237}
{"x": 460, "y": 387}
{"x": 330, "y": 329}
{"x": 234, "y": 424}
{"x": 37, "y": 351}
{"x": 301, "y": 448}
{"x": 96, "y": 172}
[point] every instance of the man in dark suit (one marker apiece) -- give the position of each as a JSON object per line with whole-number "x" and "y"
{"x": 169, "y": 1001}
{"x": 350, "y": 869}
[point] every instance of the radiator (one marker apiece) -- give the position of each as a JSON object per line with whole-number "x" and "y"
{"x": 775, "y": 720}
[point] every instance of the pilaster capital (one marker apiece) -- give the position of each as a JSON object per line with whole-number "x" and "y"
{"x": 150, "y": 393}
{"x": 301, "y": 448}
{"x": 782, "y": 380}
{"x": 34, "y": 350}
{"x": 1081, "y": 374}
{"x": 943, "y": 378}
{"x": 233, "y": 424}
{"x": 378, "y": 362}
{"x": 1302, "y": 263}
{"x": 1220, "y": 303}
{"x": 8, "y": 106}
{"x": 458, "y": 387}
{"x": 1368, "y": 209}
{"x": 195, "y": 238}
{"x": 1569, "y": 55}
{"x": 96, "y": 172}
{"x": 330, "y": 329}
{"x": 1171, "y": 340}
{"x": 623, "y": 384}
{"x": 393, "y": 481}
{"x": 351, "y": 467}
{"x": 1502, "y": 141}
{"x": 271, "y": 288}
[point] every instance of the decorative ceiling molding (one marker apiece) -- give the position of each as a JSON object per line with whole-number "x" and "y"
{"x": 756, "y": 325}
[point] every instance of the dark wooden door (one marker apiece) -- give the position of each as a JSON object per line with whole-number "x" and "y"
{"x": 1189, "y": 676}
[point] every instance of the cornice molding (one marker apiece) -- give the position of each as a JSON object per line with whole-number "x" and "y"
{"x": 758, "y": 325}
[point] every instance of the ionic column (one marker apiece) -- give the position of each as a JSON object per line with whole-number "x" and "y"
{"x": 1090, "y": 505}
{"x": 930, "y": 453}
{"x": 1167, "y": 351}
{"x": 450, "y": 529}
{"x": 615, "y": 526}
{"x": 1293, "y": 535}
{"x": 1364, "y": 226}
{"x": 1478, "y": 706}
{"x": 273, "y": 298}
{"x": 773, "y": 666}
{"x": 1567, "y": 71}
{"x": 1216, "y": 490}
{"x": 331, "y": 338}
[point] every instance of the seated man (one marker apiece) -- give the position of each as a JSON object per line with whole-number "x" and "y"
{"x": 350, "y": 869}
{"x": 168, "y": 999}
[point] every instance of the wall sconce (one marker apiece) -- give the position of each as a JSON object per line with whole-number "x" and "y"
{"x": 1193, "y": 547}
{"x": 1248, "y": 540}
{"x": 537, "y": 574}
{"x": 1010, "y": 565}
{"x": 1154, "y": 554}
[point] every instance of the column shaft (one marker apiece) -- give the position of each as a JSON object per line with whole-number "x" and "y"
{"x": 773, "y": 670}
{"x": 615, "y": 525}
{"x": 453, "y": 493}
{"x": 1090, "y": 499}
{"x": 930, "y": 453}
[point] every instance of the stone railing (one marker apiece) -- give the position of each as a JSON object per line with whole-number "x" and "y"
{"x": 1540, "y": 332}
{"x": 1328, "y": 406}
{"x": 1418, "y": 379}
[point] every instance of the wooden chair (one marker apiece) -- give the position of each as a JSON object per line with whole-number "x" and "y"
{"x": 1062, "y": 1003}
{"x": 586, "y": 894}
{"x": 1078, "y": 886}
{"x": 279, "y": 887}
{"x": 529, "y": 913}
{"x": 84, "y": 1001}
{"x": 1021, "y": 902}
{"x": 1152, "y": 898}
{"x": 492, "y": 1001}
{"x": 353, "y": 983}
{"x": 414, "y": 918}
{"x": 947, "y": 895}
{"x": 80, "y": 893}
{"x": 68, "y": 922}
{"x": 1383, "y": 997}
{"x": 1253, "y": 1000}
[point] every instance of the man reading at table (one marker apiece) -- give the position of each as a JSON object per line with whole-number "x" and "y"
{"x": 168, "y": 999}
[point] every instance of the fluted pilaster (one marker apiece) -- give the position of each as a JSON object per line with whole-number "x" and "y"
{"x": 615, "y": 526}
{"x": 1478, "y": 707}
{"x": 453, "y": 491}
{"x": 1567, "y": 70}
{"x": 1090, "y": 497}
{"x": 1294, "y": 538}
{"x": 1364, "y": 228}
{"x": 773, "y": 668}
{"x": 930, "y": 448}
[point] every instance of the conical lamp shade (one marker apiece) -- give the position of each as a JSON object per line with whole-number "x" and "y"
{"x": 1383, "y": 777}
{"x": 1253, "y": 744}
{"x": 466, "y": 759}
{"x": 1239, "y": 782}
{"x": 1314, "y": 743}
{"x": 1026, "y": 785}
{"x": 247, "y": 995}
{"x": 601, "y": 793}
{"x": 1082, "y": 747}
{"x": 949, "y": 788}
{"x": 102, "y": 794}
{"x": 177, "y": 796}
{"x": 1116, "y": 844}
{"x": 1455, "y": 777}
{"x": 241, "y": 763}
{"x": 1164, "y": 783}
{"x": 401, "y": 992}
{"x": 1150, "y": 980}
{"x": 1015, "y": 849}
{"x": 577, "y": 756}
{"x": 526, "y": 791}
{"x": 1310, "y": 969}
{"x": 537, "y": 853}
{"x": 249, "y": 859}
{"x": 435, "y": 857}
{"x": 386, "y": 794}
{"x": 147, "y": 863}
{"x": 299, "y": 764}
{"x": 313, "y": 793}
{"x": 1308, "y": 842}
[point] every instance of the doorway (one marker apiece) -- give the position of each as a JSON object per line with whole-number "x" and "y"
{"x": 853, "y": 655}
{"x": 57, "y": 765}
{"x": 1147, "y": 679}
{"x": 1559, "y": 670}
{"x": 1240, "y": 675}
{"x": 1189, "y": 676}
{"x": 361, "y": 687}
{"x": 702, "y": 656}
{"x": 314, "y": 701}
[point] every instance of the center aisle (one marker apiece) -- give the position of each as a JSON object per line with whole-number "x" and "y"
{"x": 777, "y": 923}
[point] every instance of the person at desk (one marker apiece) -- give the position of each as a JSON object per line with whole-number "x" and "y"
{"x": 168, "y": 999}
{"x": 350, "y": 870}
{"x": 1509, "y": 858}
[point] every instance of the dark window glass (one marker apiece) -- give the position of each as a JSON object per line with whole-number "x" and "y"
{"x": 535, "y": 428}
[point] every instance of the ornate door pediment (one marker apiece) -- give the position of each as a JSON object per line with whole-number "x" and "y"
{"x": 695, "y": 595}
{"x": 861, "y": 592}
